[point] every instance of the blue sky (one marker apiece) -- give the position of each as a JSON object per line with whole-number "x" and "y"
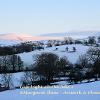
{"x": 48, "y": 16}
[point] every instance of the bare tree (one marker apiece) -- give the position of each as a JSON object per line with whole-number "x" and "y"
{"x": 64, "y": 65}
{"x": 94, "y": 57}
{"x": 7, "y": 80}
{"x": 15, "y": 62}
{"x": 91, "y": 40}
{"x": 46, "y": 65}
{"x": 28, "y": 78}
{"x": 93, "y": 54}
{"x": 99, "y": 39}
{"x": 4, "y": 65}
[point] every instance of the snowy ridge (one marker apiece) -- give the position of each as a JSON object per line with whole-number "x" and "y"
{"x": 76, "y": 35}
{"x": 14, "y": 38}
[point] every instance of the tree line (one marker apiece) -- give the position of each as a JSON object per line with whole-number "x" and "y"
{"x": 30, "y": 46}
{"x": 49, "y": 68}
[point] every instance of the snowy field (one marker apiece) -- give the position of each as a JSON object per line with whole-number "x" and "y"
{"x": 28, "y": 58}
{"x": 87, "y": 91}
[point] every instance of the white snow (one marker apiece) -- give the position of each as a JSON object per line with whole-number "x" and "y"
{"x": 28, "y": 58}
{"x": 9, "y": 42}
{"x": 87, "y": 91}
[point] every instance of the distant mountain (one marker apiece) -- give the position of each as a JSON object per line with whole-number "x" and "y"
{"x": 76, "y": 35}
{"x": 22, "y": 37}
{"x": 14, "y": 38}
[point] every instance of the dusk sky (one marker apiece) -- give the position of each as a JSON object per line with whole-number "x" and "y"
{"x": 48, "y": 16}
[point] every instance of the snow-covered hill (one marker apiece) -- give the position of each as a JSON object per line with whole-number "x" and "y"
{"x": 9, "y": 42}
{"x": 14, "y": 38}
{"x": 28, "y": 58}
{"x": 19, "y": 37}
{"x": 86, "y": 91}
